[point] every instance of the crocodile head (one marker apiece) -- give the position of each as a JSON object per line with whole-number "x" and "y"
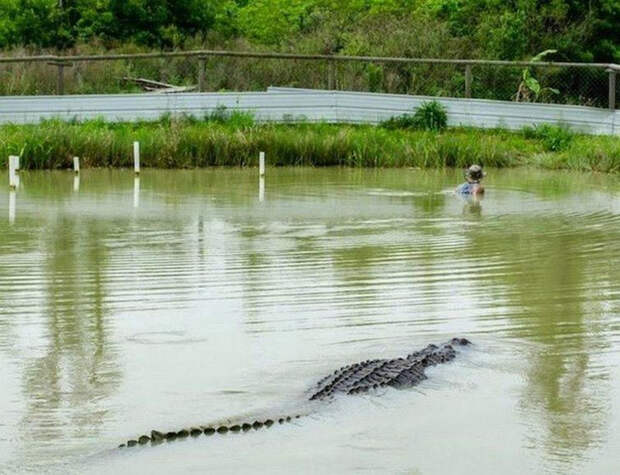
{"x": 460, "y": 341}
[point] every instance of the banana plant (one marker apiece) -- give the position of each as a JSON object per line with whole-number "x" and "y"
{"x": 529, "y": 88}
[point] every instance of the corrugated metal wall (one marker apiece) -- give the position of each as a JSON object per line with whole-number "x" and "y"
{"x": 292, "y": 105}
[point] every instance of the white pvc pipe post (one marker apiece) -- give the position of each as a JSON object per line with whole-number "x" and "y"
{"x": 136, "y": 157}
{"x": 12, "y": 174}
{"x": 261, "y": 163}
{"x": 16, "y": 163}
{"x": 76, "y": 165}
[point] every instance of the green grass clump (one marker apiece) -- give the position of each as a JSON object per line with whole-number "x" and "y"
{"x": 429, "y": 116}
{"x": 553, "y": 137}
{"x": 585, "y": 153}
{"x": 234, "y": 139}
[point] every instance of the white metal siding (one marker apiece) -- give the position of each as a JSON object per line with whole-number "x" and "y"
{"x": 288, "y": 104}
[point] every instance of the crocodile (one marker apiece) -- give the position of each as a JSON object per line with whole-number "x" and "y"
{"x": 355, "y": 378}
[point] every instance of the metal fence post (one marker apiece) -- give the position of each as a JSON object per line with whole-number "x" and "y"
{"x": 60, "y": 85}
{"x": 201, "y": 73}
{"x": 612, "y": 89}
{"x": 60, "y": 78}
{"x": 468, "y": 81}
{"x": 331, "y": 74}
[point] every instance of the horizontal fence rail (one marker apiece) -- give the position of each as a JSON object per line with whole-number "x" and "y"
{"x": 310, "y": 57}
{"x": 299, "y": 105}
{"x": 590, "y": 84}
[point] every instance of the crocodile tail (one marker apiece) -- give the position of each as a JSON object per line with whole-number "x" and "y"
{"x": 156, "y": 437}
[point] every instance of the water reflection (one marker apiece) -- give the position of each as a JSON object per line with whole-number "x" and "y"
{"x": 431, "y": 202}
{"x": 76, "y": 363}
{"x": 12, "y": 202}
{"x": 551, "y": 287}
{"x": 356, "y": 267}
{"x": 136, "y": 191}
{"x": 472, "y": 204}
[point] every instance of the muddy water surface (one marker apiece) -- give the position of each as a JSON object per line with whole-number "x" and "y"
{"x": 189, "y": 297}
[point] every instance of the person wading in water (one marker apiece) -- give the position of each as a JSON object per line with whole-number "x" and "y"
{"x": 472, "y": 186}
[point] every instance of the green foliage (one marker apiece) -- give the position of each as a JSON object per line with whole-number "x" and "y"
{"x": 269, "y": 21}
{"x": 235, "y": 119}
{"x": 220, "y": 114}
{"x": 404, "y": 121}
{"x": 580, "y": 30}
{"x": 601, "y": 154}
{"x": 507, "y": 35}
{"x": 375, "y": 77}
{"x": 554, "y": 138}
{"x": 38, "y": 22}
{"x": 429, "y": 116}
{"x": 530, "y": 89}
{"x": 160, "y": 22}
{"x": 46, "y": 23}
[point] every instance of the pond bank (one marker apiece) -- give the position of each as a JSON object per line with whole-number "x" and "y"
{"x": 236, "y": 141}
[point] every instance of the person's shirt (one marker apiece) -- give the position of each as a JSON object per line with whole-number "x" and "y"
{"x": 465, "y": 188}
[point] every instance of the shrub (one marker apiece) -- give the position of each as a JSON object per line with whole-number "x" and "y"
{"x": 429, "y": 116}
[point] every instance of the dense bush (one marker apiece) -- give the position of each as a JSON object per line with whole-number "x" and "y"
{"x": 59, "y": 24}
{"x": 579, "y": 29}
{"x": 429, "y": 116}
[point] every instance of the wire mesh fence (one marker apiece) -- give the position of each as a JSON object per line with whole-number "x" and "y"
{"x": 562, "y": 83}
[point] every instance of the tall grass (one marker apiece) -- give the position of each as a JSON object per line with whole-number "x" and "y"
{"x": 236, "y": 141}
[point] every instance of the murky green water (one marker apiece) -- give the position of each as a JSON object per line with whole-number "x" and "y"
{"x": 189, "y": 297}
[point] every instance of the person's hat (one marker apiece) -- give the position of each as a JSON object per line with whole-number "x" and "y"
{"x": 474, "y": 173}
